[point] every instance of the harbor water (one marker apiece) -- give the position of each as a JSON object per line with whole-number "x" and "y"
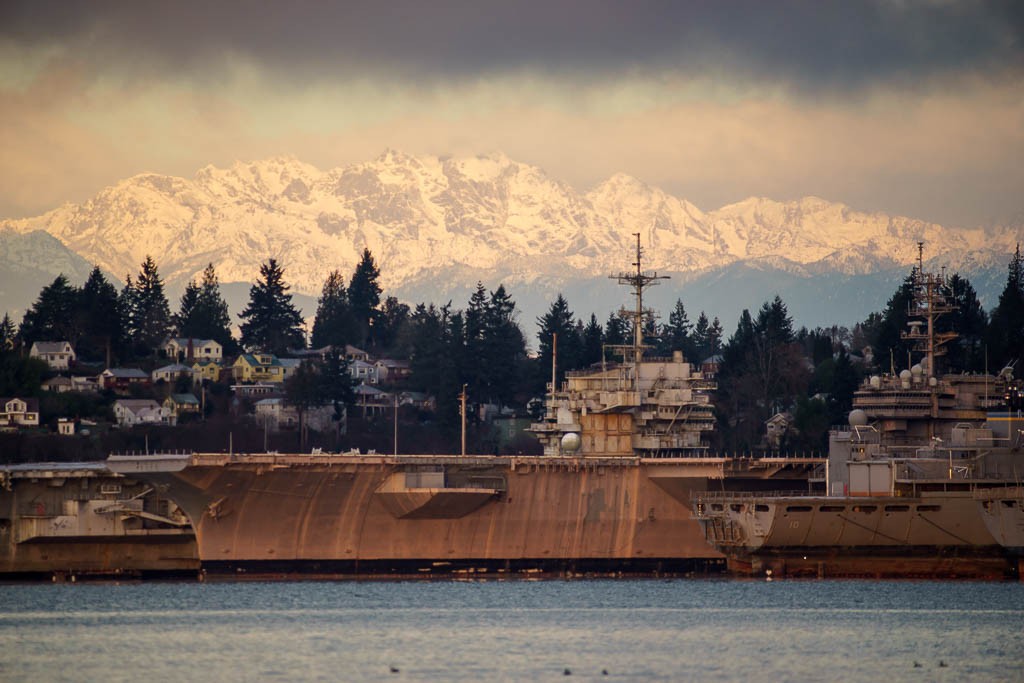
{"x": 648, "y": 629}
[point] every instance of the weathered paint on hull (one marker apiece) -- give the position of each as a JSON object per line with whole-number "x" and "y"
{"x": 318, "y": 516}
{"x": 941, "y": 563}
{"x": 111, "y": 556}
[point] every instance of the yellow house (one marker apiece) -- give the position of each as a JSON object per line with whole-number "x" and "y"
{"x": 257, "y": 367}
{"x": 205, "y": 369}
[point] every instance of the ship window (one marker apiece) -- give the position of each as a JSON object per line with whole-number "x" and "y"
{"x": 736, "y": 507}
{"x": 798, "y": 508}
{"x": 1008, "y": 503}
{"x": 897, "y": 508}
{"x": 832, "y": 508}
{"x": 865, "y": 508}
{"x": 929, "y": 508}
{"x": 761, "y": 507}
{"x": 717, "y": 507}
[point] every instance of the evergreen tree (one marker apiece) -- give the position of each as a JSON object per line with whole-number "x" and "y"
{"x": 617, "y": 330}
{"x": 103, "y": 326}
{"x": 558, "y": 321}
{"x": 334, "y": 323}
{"x": 151, "y": 323}
{"x": 503, "y": 349}
{"x": 304, "y": 390}
{"x": 390, "y": 325}
{"x": 966, "y": 353}
{"x": 187, "y": 308}
{"x": 715, "y": 337}
{"x": 8, "y": 335}
{"x": 593, "y": 339}
{"x": 337, "y": 387}
{"x": 271, "y": 323}
{"x": 675, "y": 336}
{"x": 53, "y": 316}
{"x": 212, "y": 318}
{"x": 476, "y": 341}
{"x": 1006, "y": 324}
{"x": 700, "y": 337}
{"x": 885, "y": 332}
{"x": 364, "y": 296}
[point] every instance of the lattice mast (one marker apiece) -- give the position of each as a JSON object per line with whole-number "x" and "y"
{"x": 928, "y": 304}
{"x": 639, "y": 281}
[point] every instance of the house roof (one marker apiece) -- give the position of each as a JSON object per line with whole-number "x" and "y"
{"x": 252, "y": 360}
{"x": 370, "y": 391}
{"x": 183, "y": 341}
{"x": 290, "y": 363}
{"x": 31, "y": 404}
{"x": 269, "y": 402}
{"x": 59, "y": 380}
{"x": 184, "y": 399}
{"x": 173, "y": 367}
{"x": 136, "y": 404}
{"x": 125, "y": 373}
{"x": 50, "y": 346}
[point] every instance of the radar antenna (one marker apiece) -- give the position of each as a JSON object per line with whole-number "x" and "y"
{"x": 639, "y": 281}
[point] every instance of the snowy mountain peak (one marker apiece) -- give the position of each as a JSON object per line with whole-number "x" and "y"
{"x": 471, "y": 217}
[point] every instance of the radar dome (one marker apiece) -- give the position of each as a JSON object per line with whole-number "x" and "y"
{"x": 905, "y": 374}
{"x": 571, "y": 442}
{"x": 858, "y": 418}
{"x": 876, "y": 382}
{"x": 916, "y": 370}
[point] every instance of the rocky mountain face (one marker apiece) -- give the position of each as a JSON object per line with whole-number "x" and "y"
{"x": 437, "y": 225}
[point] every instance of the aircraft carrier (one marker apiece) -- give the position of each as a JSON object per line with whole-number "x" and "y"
{"x": 625, "y": 446}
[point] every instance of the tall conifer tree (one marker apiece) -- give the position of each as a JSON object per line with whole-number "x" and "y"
{"x": 271, "y": 323}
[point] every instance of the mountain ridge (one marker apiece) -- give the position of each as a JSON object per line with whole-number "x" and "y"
{"x": 425, "y": 216}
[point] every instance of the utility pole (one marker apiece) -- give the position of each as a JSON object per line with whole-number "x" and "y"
{"x": 462, "y": 409}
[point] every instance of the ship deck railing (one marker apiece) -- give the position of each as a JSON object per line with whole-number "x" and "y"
{"x": 751, "y": 495}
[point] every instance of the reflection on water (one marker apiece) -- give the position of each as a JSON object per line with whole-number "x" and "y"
{"x": 670, "y": 630}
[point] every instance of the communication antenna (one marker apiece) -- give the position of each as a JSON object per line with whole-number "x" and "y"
{"x": 639, "y": 281}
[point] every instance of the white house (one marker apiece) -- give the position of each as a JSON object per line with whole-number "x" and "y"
{"x": 133, "y": 411}
{"x": 275, "y": 414}
{"x": 19, "y": 412}
{"x": 58, "y": 355}
{"x": 192, "y": 349}
{"x": 363, "y": 372}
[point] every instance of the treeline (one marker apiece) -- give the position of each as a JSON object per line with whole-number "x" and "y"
{"x": 765, "y": 366}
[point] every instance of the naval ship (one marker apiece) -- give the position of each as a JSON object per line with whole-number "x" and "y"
{"x": 923, "y": 481}
{"x": 65, "y": 521}
{"x": 625, "y": 445}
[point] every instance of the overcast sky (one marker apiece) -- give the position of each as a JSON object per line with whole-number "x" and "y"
{"x": 908, "y": 107}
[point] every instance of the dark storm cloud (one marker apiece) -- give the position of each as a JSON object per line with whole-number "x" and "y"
{"x": 804, "y": 44}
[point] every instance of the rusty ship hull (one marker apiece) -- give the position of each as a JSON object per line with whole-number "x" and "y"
{"x": 342, "y": 514}
{"x": 62, "y": 521}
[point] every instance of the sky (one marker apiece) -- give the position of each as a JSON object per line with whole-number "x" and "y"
{"x": 908, "y": 107}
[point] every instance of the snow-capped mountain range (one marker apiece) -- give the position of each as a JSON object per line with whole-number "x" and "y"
{"x": 437, "y": 225}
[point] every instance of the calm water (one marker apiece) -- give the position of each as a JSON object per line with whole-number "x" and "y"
{"x": 665, "y": 630}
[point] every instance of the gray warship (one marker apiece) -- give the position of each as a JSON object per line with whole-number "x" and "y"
{"x": 923, "y": 481}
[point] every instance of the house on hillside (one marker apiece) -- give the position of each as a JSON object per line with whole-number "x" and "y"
{"x": 288, "y": 367}
{"x": 206, "y": 370}
{"x": 171, "y": 373}
{"x": 189, "y": 349}
{"x": 391, "y": 370}
{"x": 373, "y": 401}
{"x": 59, "y": 355}
{"x": 364, "y": 372}
{"x": 257, "y": 367}
{"x": 275, "y": 414}
{"x": 135, "y": 411}
{"x": 19, "y": 412}
{"x": 181, "y": 404}
{"x": 353, "y": 353}
{"x": 776, "y": 428}
{"x": 122, "y": 379}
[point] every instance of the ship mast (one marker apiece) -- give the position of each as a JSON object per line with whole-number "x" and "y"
{"x": 928, "y": 304}
{"x": 639, "y": 281}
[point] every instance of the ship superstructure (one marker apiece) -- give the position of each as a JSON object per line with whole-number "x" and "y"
{"x": 643, "y": 406}
{"x": 903, "y": 479}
